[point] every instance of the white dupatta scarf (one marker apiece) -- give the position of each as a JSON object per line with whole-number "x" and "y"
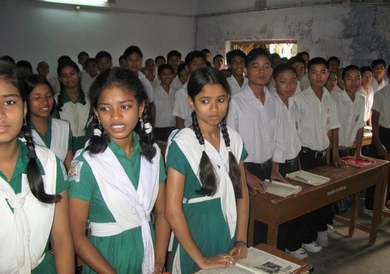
{"x": 130, "y": 207}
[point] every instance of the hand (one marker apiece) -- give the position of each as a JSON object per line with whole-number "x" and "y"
{"x": 256, "y": 185}
{"x": 278, "y": 177}
{"x": 360, "y": 157}
{"x": 158, "y": 268}
{"x": 239, "y": 252}
{"x": 217, "y": 261}
{"x": 339, "y": 163}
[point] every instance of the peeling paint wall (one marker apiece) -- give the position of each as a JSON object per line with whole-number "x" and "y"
{"x": 357, "y": 35}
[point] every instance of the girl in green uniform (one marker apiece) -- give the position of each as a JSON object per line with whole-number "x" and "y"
{"x": 208, "y": 198}
{"x": 116, "y": 182}
{"x": 47, "y": 131}
{"x": 33, "y": 192}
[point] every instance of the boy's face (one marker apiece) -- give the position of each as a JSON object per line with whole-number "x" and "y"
{"x": 340, "y": 81}
{"x": 174, "y": 62}
{"x": 285, "y": 83}
{"x": 218, "y": 63}
{"x": 259, "y": 71}
{"x": 237, "y": 65}
{"x": 134, "y": 62}
{"x": 300, "y": 68}
{"x": 379, "y": 71}
{"x": 332, "y": 81}
{"x": 166, "y": 76}
{"x": 196, "y": 64}
{"x": 318, "y": 75}
{"x": 352, "y": 81}
{"x": 92, "y": 69}
{"x": 333, "y": 66}
{"x": 104, "y": 64}
{"x": 366, "y": 78}
{"x": 184, "y": 75}
{"x": 159, "y": 62}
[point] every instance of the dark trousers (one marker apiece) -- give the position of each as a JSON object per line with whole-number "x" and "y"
{"x": 288, "y": 236}
{"x": 384, "y": 136}
{"x": 317, "y": 220}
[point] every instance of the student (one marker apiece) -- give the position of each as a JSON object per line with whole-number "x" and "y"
{"x": 43, "y": 69}
{"x": 182, "y": 74}
{"x": 236, "y": 63}
{"x": 331, "y": 83}
{"x": 368, "y": 92}
{"x": 24, "y": 67}
{"x": 207, "y": 55}
{"x": 340, "y": 83}
{"x": 174, "y": 60}
{"x": 218, "y": 61}
{"x": 92, "y": 69}
{"x": 133, "y": 56}
{"x": 122, "y": 62}
{"x": 103, "y": 60}
{"x": 159, "y": 60}
{"x": 33, "y": 192}
{"x": 85, "y": 78}
{"x": 55, "y": 80}
{"x": 164, "y": 96}
{"x": 194, "y": 60}
{"x": 334, "y": 64}
{"x": 208, "y": 206}
{"x": 317, "y": 121}
{"x": 71, "y": 104}
{"x": 285, "y": 80}
{"x": 300, "y": 66}
{"x": 304, "y": 81}
{"x": 46, "y": 131}
{"x": 379, "y": 69}
{"x": 150, "y": 65}
{"x": 116, "y": 182}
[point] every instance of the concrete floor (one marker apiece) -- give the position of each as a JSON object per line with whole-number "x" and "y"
{"x": 353, "y": 255}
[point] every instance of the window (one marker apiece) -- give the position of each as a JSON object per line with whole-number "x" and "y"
{"x": 285, "y": 48}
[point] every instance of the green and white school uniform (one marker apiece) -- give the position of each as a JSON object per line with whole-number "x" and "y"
{"x": 26, "y": 222}
{"x": 121, "y": 193}
{"x": 57, "y": 137}
{"x": 212, "y": 220}
{"x": 79, "y": 117}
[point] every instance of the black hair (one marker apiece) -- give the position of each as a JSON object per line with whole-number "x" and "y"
{"x": 364, "y": 69}
{"x": 231, "y": 54}
{"x": 254, "y": 53}
{"x": 192, "y": 55}
{"x": 197, "y": 81}
{"x": 348, "y": 68}
{"x": 216, "y": 56}
{"x": 103, "y": 54}
{"x": 164, "y": 66}
{"x": 180, "y": 68}
{"x": 132, "y": 49}
{"x": 31, "y": 81}
{"x": 317, "y": 61}
{"x": 300, "y": 54}
{"x": 24, "y": 64}
{"x": 378, "y": 62}
{"x": 282, "y": 68}
{"x": 9, "y": 74}
{"x": 61, "y": 66}
{"x": 82, "y": 53}
{"x": 63, "y": 58}
{"x": 90, "y": 60}
{"x": 173, "y": 53}
{"x": 334, "y": 58}
{"x": 127, "y": 80}
{"x": 296, "y": 59}
{"x": 8, "y": 59}
{"x": 158, "y": 58}
{"x": 206, "y": 51}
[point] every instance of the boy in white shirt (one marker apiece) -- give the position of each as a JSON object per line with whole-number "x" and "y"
{"x": 236, "y": 63}
{"x": 379, "y": 69}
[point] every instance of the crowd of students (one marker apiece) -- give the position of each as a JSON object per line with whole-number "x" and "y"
{"x": 90, "y": 134}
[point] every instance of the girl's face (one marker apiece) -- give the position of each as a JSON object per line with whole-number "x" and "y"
{"x": 40, "y": 101}
{"x": 210, "y": 105}
{"x": 69, "y": 77}
{"x": 12, "y": 112}
{"x": 118, "y": 111}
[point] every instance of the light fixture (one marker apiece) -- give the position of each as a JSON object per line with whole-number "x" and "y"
{"x": 81, "y": 2}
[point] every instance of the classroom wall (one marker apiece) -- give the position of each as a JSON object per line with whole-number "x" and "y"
{"x": 357, "y": 35}
{"x": 37, "y": 31}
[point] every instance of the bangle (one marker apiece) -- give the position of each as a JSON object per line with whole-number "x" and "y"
{"x": 239, "y": 243}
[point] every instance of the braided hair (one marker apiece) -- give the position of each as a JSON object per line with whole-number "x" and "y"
{"x": 61, "y": 66}
{"x": 129, "y": 82}
{"x": 207, "y": 176}
{"x": 34, "y": 176}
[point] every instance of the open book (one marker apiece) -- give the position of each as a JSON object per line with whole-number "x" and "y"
{"x": 258, "y": 261}
{"x": 281, "y": 189}
{"x": 308, "y": 178}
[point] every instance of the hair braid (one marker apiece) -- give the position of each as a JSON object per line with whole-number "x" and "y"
{"x": 97, "y": 143}
{"x": 34, "y": 175}
{"x": 206, "y": 171}
{"x": 234, "y": 171}
{"x": 146, "y": 139}
{"x": 82, "y": 95}
{"x": 60, "y": 100}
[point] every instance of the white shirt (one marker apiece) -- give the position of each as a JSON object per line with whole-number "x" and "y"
{"x": 176, "y": 84}
{"x": 382, "y": 105}
{"x": 182, "y": 108}
{"x": 292, "y": 144}
{"x": 351, "y": 116}
{"x": 298, "y": 88}
{"x": 234, "y": 86}
{"x": 164, "y": 103}
{"x": 376, "y": 86}
{"x": 304, "y": 82}
{"x": 259, "y": 125}
{"x": 147, "y": 86}
{"x": 314, "y": 118}
{"x": 369, "y": 100}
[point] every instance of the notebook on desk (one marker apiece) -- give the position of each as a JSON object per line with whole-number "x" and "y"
{"x": 308, "y": 178}
{"x": 281, "y": 189}
{"x": 356, "y": 162}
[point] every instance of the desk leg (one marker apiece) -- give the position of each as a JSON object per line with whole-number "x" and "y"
{"x": 251, "y": 230}
{"x": 272, "y": 235}
{"x": 354, "y": 215}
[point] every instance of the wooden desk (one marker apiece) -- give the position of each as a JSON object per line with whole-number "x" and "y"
{"x": 273, "y": 210}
